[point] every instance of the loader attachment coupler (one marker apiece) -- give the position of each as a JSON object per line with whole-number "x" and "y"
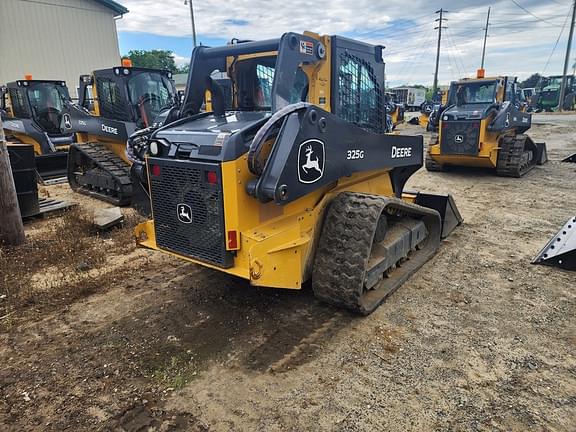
{"x": 560, "y": 251}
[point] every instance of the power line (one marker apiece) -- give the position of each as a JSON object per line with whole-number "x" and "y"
{"x": 557, "y": 40}
{"x": 460, "y": 53}
{"x": 530, "y": 13}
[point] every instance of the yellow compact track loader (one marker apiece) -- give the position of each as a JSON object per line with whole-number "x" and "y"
{"x": 114, "y": 103}
{"x": 31, "y": 112}
{"x": 483, "y": 126}
{"x": 296, "y": 182}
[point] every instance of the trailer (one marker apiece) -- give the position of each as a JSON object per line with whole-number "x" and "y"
{"x": 411, "y": 97}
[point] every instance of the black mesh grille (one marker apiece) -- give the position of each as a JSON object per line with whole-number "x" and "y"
{"x": 460, "y": 137}
{"x": 359, "y": 93}
{"x": 181, "y": 186}
{"x": 19, "y": 103}
{"x": 110, "y": 100}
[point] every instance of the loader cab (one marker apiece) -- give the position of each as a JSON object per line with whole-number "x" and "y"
{"x": 42, "y": 102}
{"x": 128, "y": 94}
{"x": 269, "y": 75}
{"x": 484, "y": 94}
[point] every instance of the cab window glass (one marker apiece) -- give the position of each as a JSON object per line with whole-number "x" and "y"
{"x": 254, "y": 80}
{"x": 359, "y": 94}
{"x": 19, "y": 104}
{"x": 110, "y": 101}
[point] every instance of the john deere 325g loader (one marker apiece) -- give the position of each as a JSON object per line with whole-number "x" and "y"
{"x": 483, "y": 125}
{"x": 298, "y": 181}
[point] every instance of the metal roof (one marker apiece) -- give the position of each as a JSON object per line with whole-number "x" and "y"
{"x": 116, "y": 7}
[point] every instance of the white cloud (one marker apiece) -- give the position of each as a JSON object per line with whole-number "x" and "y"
{"x": 180, "y": 60}
{"x": 519, "y": 44}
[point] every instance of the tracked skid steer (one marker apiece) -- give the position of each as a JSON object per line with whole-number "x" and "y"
{"x": 298, "y": 181}
{"x": 31, "y": 113}
{"x": 483, "y": 125}
{"x": 113, "y": 104}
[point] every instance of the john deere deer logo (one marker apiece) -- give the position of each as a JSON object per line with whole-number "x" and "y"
{"x": 310, "y": 161}
{"x": 184, "y": 212}
{"x": 67, "y": 121}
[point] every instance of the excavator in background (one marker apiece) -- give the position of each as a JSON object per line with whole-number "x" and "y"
{"x": 31, "y": 113}
{"x": 114, "y": 103}
{"x": 482, "y": 126}
{"x": 299, "y": 180}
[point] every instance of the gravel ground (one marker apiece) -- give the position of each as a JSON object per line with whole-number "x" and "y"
{"x": 478, "y": 339}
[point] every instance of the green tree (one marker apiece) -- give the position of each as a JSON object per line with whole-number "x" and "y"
{"x": 154, "y": 59}
{"x": 183, "y": 69}
{"x": 531, "y": 81}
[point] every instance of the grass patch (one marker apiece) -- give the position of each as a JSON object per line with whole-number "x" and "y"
{"x": 174, "y": 371}
{"x": 68, "y": 261}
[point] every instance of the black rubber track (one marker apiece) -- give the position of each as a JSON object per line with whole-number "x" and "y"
{"x": 431, "y": 164}
{"x": 517, "y": 156}
{"x": 345, "y": 246}
{"x": 344, "y": 249}
{"x": 107, "y": 162}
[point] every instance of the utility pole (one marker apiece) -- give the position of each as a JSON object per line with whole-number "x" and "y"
{"x": 192, "y": 18}
{"x": 11, "y": 227}
{"x": 439, "y": 20}
{"x": 485, "y": 37}
{"x": 567, "y": 60}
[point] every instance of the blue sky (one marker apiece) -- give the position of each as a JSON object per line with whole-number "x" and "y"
{"x": 523, "y": 33}
{"x": 180, "y": 45}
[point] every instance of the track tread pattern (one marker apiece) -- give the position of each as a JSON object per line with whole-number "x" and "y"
{"x": 510, "y": 157}
{"x": 432, "y": 165}
{"x": 110, "y": 164}
{"x": 429, "y": 163}
{"x": 344, "y": 249}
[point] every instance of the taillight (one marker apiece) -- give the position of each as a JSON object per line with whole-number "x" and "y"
{"x": 233, "y": 240}
{"x": 212, "y": 177}
{"x": 155, "y": 170}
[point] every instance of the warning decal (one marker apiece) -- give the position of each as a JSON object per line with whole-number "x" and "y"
{"x": 306, "y": 47}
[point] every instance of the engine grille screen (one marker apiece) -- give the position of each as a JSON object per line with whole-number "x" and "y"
{"x": 460, "y": 137}
{"x": 188, "y": 209}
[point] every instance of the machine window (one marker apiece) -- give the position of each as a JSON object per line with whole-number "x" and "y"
{"x": 45, "y": 96}
{"x": 254, "y": 80}
{"x": 359, "y": 94}
{"x": 265, "y": 78}
{"x": 150, "y": 93}
{"x": 19, "y": 104}
{"x": 110, "y": 100}
{"x": 476, "y": 93}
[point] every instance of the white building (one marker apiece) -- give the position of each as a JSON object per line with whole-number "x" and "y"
{"x": 57, "y": 39}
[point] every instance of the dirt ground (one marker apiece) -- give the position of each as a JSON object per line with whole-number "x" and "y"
{"x": 118, "y": 338}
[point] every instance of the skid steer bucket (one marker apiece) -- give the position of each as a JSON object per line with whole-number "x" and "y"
{"x": 52, "y": 165}
{"x": 560, "y": 251}
{"x": 542, "y": 155}
{"x": 570, "y": 158}
{"x": 443, "y": 204}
